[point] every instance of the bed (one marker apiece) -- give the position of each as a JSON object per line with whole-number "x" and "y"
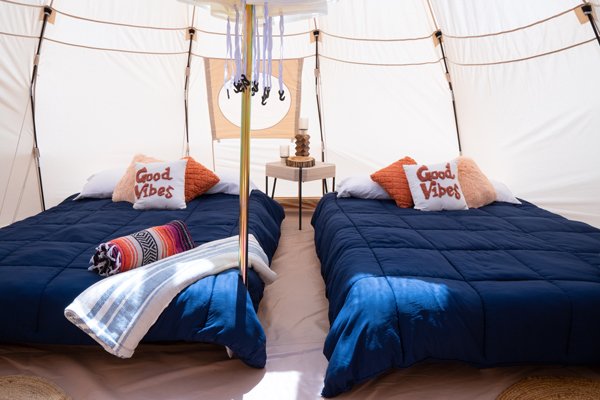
{"x": 44, "y": 261}
{"x": 502, "y": 284}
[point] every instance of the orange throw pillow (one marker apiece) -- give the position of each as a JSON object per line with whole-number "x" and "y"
{"x": 198, "y": 179}
{"x": 477, "y": 188}
{"x": 393, "y": 179}
{"x": 124, "y": 191}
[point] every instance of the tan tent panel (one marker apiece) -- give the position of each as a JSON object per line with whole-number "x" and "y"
{"x": 223, "y": 127}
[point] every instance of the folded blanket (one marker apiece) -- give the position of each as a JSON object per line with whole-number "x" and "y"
{"x": 118, "y": 311}
{"x": 141, "y": 248}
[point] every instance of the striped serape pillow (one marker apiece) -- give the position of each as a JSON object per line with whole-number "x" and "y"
{"x": 141, "y": 248}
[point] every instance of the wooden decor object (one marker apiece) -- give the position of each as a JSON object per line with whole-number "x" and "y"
{"x": 300, "y": 161}
{"x": 302, "y": 144}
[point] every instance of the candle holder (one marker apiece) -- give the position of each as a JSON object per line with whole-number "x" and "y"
{"x": 302, "y": 139}
{"x": 284, "y": 153}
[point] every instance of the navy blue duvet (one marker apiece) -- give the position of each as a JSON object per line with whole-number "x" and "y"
{"x": 44, "y": 261}
{"x": 503, "y": 284}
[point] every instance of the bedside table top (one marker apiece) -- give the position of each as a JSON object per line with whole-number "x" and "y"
{"x": 321, "y": 170}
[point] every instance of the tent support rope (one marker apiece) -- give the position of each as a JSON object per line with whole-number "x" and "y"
{"x": 316, "y": 34}
{"x": 438, "y": 35}
{"x": 192, "y": 33}
{"x": 36, "y": 150}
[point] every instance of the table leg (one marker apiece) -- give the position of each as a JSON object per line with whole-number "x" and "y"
{"x": 324, "y": 186}
{"x": 267, "y": 185}
{"x": 274, "y": 184}
{"x": 333, "y": 185}
{"x": 300, "y": 199}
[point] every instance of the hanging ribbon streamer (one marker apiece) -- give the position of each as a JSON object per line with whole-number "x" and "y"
{"x": 265, "y": 69}
{"x": 244, "y": 78}
{"x": 256, "y": 54}
{"x": 226, "y": 75}
{"x": 264, "y": 57}
{"x": 238, "y": 54}
{"x": 262, "y": 60}
{"x": 270, "y": 54}
{"x": 281, "y": 30}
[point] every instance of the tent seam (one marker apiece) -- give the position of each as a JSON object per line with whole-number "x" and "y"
{"x": 523, "y": 27}
{"x": 524, "y": 58}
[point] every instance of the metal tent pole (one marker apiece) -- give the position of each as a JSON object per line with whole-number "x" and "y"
{"x": 191, "y": 32}
{"x": 36, "y": 150}
{"x": 587, "y": 10}
{"x": 439, "y": 37}
{"x": 316, "y": 33}
{"x": 440, "y": 40}
{"x": 245, "y": 148}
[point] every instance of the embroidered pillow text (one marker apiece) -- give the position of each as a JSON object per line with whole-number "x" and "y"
{"x": 150, "y": 186}
{"x": 435, "y": 187}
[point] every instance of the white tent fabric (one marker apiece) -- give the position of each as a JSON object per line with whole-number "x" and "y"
{"x": 532, "y": 123}
{"x": 111, "y": 84}
{"x": 19, "y": 195}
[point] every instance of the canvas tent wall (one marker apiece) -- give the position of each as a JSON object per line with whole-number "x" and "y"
{"x": 111, "y": 84}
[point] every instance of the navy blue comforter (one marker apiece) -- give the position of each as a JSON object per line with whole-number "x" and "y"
{"x": 503, "y": 284}
{"x": 44, "y": 261}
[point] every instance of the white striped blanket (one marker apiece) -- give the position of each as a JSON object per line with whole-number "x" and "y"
{"x": 118, "y": 311}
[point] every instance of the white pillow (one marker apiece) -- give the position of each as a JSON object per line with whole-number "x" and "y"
{"x": 503, "y": 193}
{"x": 101, "y": 184}
{"x": 229, "y": 183}
{"x": 435, "y": 187}
{"x": 362, "y": 187}
{"x": 160, "y": 185}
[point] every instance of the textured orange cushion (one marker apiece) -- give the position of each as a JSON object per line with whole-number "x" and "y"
{"x": 124, "y": 191}
{"x": 198, "y": 179}
{"x": 393, "y": 179}
{"x": 477, "y": 188}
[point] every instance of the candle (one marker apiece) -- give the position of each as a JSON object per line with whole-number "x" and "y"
{"x": 303, "y": 123}
{"x": 284, "y": 151}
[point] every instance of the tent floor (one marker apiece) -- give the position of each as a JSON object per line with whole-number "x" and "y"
{"x": 294, "y": 315}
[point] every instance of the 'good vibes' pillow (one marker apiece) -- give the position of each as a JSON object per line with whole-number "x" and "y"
{"x": 435, "y": 187}
{"x": 160, "y": 185}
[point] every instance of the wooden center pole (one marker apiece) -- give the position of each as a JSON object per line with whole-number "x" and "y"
{"x": 245, "y": 148}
